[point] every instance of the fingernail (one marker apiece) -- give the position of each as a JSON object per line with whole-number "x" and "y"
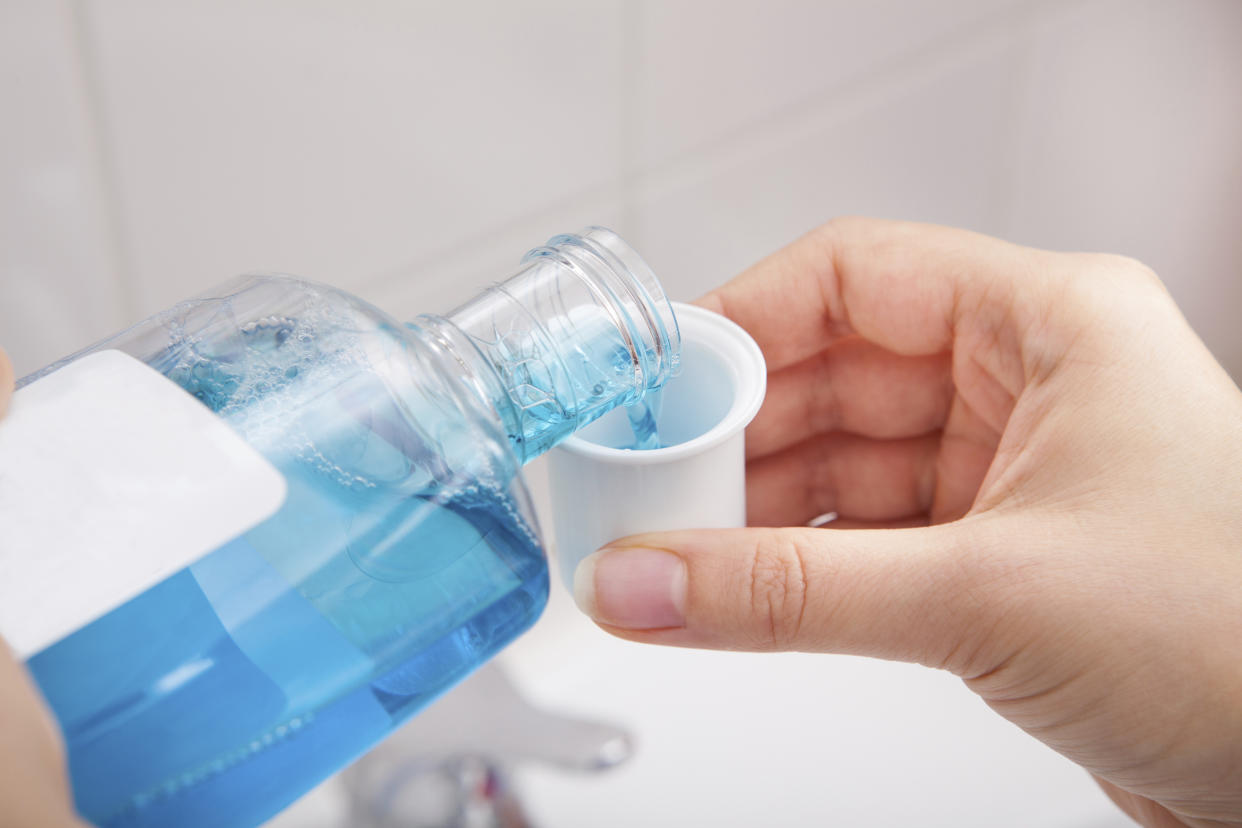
{"x": 632, "y": 588}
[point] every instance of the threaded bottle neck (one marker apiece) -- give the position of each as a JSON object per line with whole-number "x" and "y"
{"x": 583, "y": 327}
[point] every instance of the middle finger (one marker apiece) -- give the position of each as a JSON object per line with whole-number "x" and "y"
{"x": 854, "y": 386}
{"x": 857, "y": 477}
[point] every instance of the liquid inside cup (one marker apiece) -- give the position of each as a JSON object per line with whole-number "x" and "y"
{"x": 694, "y": 402}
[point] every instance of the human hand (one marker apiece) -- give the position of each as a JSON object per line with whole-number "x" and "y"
{"x": 34, "y": 789}
{"x": 1040, "y": 468}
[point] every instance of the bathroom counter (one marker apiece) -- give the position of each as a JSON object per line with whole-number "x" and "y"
{"x": 744, "y": 739}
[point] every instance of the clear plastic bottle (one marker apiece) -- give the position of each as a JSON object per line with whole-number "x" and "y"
{"x": 404, "y": 555}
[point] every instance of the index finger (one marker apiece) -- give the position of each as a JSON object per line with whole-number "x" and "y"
{"x": 902, "y": 285}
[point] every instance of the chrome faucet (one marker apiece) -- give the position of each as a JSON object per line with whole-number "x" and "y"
{"x": 450, "y": 767}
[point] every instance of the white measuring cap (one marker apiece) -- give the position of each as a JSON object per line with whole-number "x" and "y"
{"x": 601, "y": 492}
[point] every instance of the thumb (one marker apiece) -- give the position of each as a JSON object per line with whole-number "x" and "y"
{"x": 908, "y": 594}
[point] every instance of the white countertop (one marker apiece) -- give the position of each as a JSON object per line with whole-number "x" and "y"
{"x": 745, "y": 739}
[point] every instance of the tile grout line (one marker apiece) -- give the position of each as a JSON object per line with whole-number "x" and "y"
{"x": 832, "y": 105}
{"x": 835, "y": 103}
{"x": 631, "y": 14}
{"x": 620, "y": 188}
{"x": 1010, "y": 188}
{"x": 1007, "y": 186}
{"x": 87, "y": 67}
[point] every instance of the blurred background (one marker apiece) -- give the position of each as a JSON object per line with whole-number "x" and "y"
{"x": 412, "y": 151}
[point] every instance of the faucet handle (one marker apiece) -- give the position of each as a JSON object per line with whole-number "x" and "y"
{"x": 449, "y": 765}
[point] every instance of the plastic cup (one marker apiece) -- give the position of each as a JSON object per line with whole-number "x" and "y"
{"x": 600, "y": 491}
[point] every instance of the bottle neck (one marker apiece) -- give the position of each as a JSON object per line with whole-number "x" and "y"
{"x": 582, "y": 327}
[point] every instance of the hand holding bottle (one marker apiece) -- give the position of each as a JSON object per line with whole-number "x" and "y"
{"x": 1040, "y": 461}
{"x": 34, "y": 791}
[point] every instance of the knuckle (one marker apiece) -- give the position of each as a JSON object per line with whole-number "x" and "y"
{"x": 837, "y": 223}
{"x": 778, "y": 591}
{"x": 1110, "y": 294}
{"x": 1128, "y": 266}
{"x": 977, "y": 599}
{"x": 1116, "y": 271}
{"x": 1130, "y": 270}
{"x": 840, "y": 227}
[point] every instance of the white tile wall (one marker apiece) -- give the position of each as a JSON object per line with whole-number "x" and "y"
{"x": 412, "y": 151}
{"x": 1131, "y": 141}
{"x": 708, "y": 70}
{"x": 344, "y": 140}
{"x": 60, "y": 286}
{"x": 942, "y": 130}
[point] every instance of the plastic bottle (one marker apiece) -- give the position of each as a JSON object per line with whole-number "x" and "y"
{"x": 403, "y": 555}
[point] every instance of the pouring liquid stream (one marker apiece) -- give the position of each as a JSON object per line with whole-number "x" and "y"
{"x": 644, "y": 417}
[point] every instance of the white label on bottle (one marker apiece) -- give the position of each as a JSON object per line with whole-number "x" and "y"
{"x": 112, "y": 478}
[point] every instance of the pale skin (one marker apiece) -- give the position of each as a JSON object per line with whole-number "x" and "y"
{"x": 1038, "y": 468}
{"x": 1039, "y": 471}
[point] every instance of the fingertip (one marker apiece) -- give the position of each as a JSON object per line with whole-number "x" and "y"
{"x": 632, "y": 588}
{"x": 584, "y": 584}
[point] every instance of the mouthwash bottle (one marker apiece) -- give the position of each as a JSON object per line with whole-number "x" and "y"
{"x": 392, "y": 551}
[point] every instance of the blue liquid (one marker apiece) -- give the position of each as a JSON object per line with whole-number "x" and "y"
{"x": 552, "y": 387}
{"x": 644, "y": 417}
{"x": 223, "y": 693}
